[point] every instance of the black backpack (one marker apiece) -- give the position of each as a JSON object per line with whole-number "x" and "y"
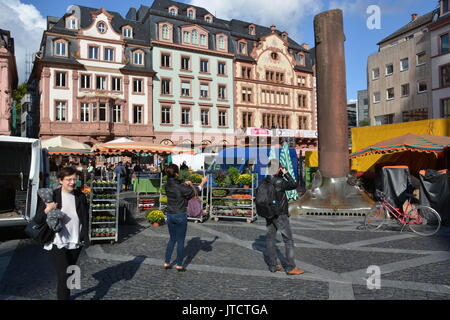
{"x": 266, "y": 202}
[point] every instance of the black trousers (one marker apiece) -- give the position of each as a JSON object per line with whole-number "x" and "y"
{"x": 61, "y": 260}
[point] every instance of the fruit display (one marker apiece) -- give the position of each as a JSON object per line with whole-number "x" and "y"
{"x": 103, "y": 210}
{"x": 232, "y": 203}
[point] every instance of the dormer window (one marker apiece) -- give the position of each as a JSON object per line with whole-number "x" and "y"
{"x": 165, "y": 32}
{"x": 194, "y": 37}
{"x": 173, "y": 10}
{"x": 191, "y": 13}
{"x": 242, "y": 47}
{"x": 60, "y": 48}
{"x": 251, "y": 30}
{"x": 222, "y": 42}
{"x": 72, "y": 23}
{"x": 186, "y": 37}
{"x": 127, "y": 32}
{"x": 101, "y": 27}
{"x": 203, "y": 40}
{"x": 208, "y": 18}
{"x": 138, "y": 57}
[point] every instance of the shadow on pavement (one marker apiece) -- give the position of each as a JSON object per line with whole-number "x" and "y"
{"x": 194, "y": 246}
{"x": 109, "y": 276}
{"x": 260, "y": 245}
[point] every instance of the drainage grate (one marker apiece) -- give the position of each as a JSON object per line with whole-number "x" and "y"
{"x": 334, "y": 213}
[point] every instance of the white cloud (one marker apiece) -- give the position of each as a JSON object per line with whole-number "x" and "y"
{"x": 287, "y": 15}
{"x": 26, "y": 25}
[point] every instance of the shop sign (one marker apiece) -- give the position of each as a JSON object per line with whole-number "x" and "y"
{"x": 258, "y": 132}
{"x": 283, "y": 133}
{"x": 306, "y": 133}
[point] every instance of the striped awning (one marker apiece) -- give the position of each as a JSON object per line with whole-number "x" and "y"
{"x": 138, "y": 147}
{"x": 407, "y": 142}
{"x": 67, "y": 151}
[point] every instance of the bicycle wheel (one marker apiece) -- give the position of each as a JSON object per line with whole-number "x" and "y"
{"x": 423, "y": 220}
{"x": 375, "y": 219}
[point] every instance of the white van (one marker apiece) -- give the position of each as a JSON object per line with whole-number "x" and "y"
{"x": 22, "y": 164}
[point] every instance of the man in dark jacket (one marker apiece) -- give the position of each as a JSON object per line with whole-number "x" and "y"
{"x": 282, "y": 181}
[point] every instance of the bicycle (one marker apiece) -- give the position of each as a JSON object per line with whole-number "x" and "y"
{"x": 422, "y": 220}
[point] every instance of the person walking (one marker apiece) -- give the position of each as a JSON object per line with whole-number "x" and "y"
{"x": 120, "y": 173}
{"x": 64, "y": 250}
{"x": 282, "y": 181}
{"x": 178, "y": 195}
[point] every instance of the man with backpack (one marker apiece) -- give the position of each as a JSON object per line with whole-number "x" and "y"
{"x": 272, "y": 204}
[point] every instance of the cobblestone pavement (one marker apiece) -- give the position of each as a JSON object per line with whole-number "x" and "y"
{"x": 225, "y": 261}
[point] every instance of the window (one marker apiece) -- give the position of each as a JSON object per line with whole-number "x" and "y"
{"x": 94, "y": 111}
{"x": 60, "y": 81}
{"x": 204, "y": 88}
{"x": 203, "y": 40}
{"x": 173, "y": 12}
{"x": 445, "y": 108}
{"x": 415, "y": 115}
{"x": 390, "y": 94}
{"x": 117, "y": 113}
{"x": 165, "y": 60}
{"x": 101, "y": 83}
{"x": 208, "y": 19}
{"x": 61, "y": 48}
{"x": 404, "y": 64}
{"x": 203, "y": 65}
{"x": 246, "y": 119}
{"x": 165, "y": 32}
{"x": 445, "y": 76}
{"x": 85, "y": 81}
{"x": 185, "y": 116}
{"x": 165, "y": 115}
{"x": 222, "y": 92}
{"x": 116, "y": 84}
{"x": 84, "y": 116}
{"x": 222, "y": 118}
{"x": 190, "y": 14}
{"x": 137, "y": 114}
{"x": 444, "y": 44}
{"x": 221, "y": 68}
{"x": 137, "y": 86}
{"x": 186, "y": 37}
{"x": 246, "y": 72}
{"x": 185, "y": 89}
{"x": 384, "y": 119}
{"x": 302, "y": 123}
{"x": 165, "y": 86}
{"x": 194, "y": 36}
{"x": 93, "y": 52}
{"x": 102, "y": 112}
{"x": 389, "y": 69}
{"x": 409, "y": 37}
{"x": 445, "y": 5}
{"x": 204, "y": 116}
{"x": 72, "y": 24}
{"x": 242, "y": 48}
{"x": 246, "y": 94}
{"x": 127, "y": 32}
{"x": 138, "y": 57}
{"x": 421, "y": 86}
{"x": 405, "y": 90}
{"x": 60, "y": 111}
{"x": 101, "y": 27}
{"x": 301, "y": 79}
{"x": 221, "y": 42}
{"x": 185, "y": 63}
{"x": 251, "y": 30}
{"x": 109, "y": 54}
{"x": 421, "y": 58}
{"x": 376, "y": 97}
{"x": 302, "y": 100}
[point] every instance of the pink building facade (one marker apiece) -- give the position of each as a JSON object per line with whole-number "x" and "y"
{"x": 8, "y": 80}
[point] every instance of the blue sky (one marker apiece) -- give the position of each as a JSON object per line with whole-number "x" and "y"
{"x": 294, "y": 16}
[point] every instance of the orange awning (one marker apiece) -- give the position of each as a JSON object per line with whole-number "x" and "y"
{"x": 138, "y": 147}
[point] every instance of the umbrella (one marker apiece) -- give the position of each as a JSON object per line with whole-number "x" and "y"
{"x": 138, "y": 147}
{"x": 65, "y": 143}
{"x": 286, "y": 162}
{"x": 407, "y": 142}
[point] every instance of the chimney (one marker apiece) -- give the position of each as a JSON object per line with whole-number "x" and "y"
{"x": 273, "y": 28}
{"x": 413, "y": 16}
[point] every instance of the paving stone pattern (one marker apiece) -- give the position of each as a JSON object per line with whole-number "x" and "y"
{"x": 225, "y": 261}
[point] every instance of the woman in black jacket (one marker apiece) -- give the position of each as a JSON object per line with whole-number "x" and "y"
{"x": 65, "y": 247}
{"x": 178, "y": 195}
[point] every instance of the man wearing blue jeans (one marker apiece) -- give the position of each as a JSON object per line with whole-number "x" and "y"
{"x": 178, "y": 195}
{"x": 282, "y": 181}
